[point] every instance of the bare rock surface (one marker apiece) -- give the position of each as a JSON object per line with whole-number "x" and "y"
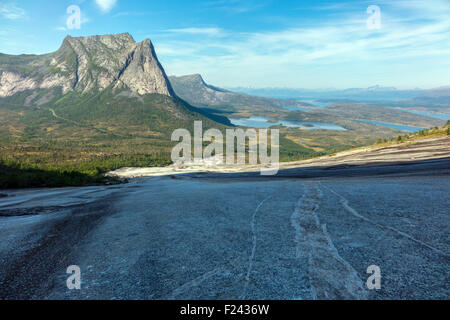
{"x": 231, "y": 236}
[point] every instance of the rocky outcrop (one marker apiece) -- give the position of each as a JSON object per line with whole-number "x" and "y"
{"x": 11, "y": 83}
{"x": 87, "y": 63}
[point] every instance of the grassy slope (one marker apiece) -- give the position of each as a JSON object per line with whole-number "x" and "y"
{"x": 91, "y": 134}
{"x": 434, "y": 132}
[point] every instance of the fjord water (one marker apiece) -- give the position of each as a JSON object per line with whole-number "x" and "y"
{"x": 294, "y": 108}
{"x": 442, "y": 116}
{"x": 394, "y": 126}
{"x": 317, "y": 103}
{"x": 263, "y": 123}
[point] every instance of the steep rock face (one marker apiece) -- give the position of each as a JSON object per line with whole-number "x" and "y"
{"x": 11, "y": 83}
{"x": 143, "y": 73}
{"x": 86, "y": 63}
{"x": 194, "y": 89}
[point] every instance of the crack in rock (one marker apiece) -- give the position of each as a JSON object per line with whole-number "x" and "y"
{"x": 330, "y": 276}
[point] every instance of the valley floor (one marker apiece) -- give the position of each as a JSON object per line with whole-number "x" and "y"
{"x": 310, "y": 234}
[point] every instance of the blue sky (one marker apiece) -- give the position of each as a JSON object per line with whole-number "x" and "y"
{"x": 258, "y": 43}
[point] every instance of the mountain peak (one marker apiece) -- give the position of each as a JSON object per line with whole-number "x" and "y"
{"x": 381, "y": 88}
{"x": 94, "y": 62}
{"x": 194, "y": 82}
{"x": 196, "y": 77}
{"x": 118, "y": 36}
{"x": 113, "y": 41}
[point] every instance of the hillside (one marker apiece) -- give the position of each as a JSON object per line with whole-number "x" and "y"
{"x": 437, "y": 96}
{"x": 373, "y": 113}
{"x": 97, "y": 103}
{"x": 197, "y": 92}
{"x": 428, "y": 145}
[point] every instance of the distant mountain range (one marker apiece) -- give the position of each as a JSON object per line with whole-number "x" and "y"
{"x": 371, "y": 93}
{"x": 437, "y": 92}
{"x": 437, "y": 97}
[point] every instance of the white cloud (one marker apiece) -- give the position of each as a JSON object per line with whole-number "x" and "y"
{"x": 11, "y": 11}
{"x": 408, "y": 50}
{"x": 238, "y": 6}
{"x": 106, "y": 5}
{"x": 199, "y": 31}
